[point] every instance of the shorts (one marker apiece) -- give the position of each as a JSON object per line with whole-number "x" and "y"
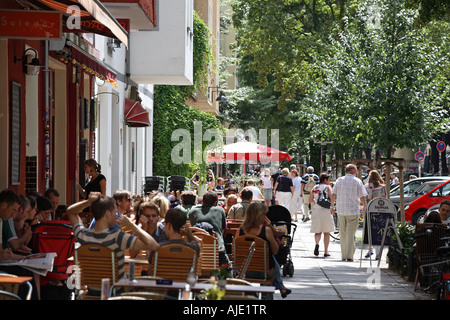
{"x": 268, "y": 194}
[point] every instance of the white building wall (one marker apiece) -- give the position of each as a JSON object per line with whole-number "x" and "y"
{"x": 115, "y": 140}
{"x": 161, "y": 56}
{"x": 164, "y": 56}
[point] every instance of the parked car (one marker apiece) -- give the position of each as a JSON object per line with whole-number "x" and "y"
{"x": 415, "y": 188}
{"x": 419, "y": 207}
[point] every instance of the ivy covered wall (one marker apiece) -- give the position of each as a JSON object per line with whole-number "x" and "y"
{"x": 171, "y": 112}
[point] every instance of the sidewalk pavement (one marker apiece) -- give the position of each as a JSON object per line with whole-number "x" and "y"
{"x": 319, "y": 278}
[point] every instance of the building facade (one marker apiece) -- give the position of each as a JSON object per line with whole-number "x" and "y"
{"x": 91, "y": 93}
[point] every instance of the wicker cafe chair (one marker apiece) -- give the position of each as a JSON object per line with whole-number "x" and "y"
{"x": 427, "y": 237}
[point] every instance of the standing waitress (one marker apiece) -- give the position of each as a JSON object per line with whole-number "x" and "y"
{"x": 96, "y": 181}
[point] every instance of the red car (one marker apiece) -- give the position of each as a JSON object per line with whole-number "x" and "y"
{"x": 418, "y": 207}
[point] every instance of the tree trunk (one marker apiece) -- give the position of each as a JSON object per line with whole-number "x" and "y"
{"x": 434, "y": 157}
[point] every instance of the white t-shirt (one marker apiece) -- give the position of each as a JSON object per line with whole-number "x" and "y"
{"x": 297, "y": 182}
{"x": 255, "y": 191}
{"x": 267, "y": 184}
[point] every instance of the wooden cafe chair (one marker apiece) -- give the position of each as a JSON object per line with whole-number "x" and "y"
{"x": 95, "y": 262}
{"x": 259, "y": 261}
{"x": 209, "y": 254}
{"x": 173, "y": 262}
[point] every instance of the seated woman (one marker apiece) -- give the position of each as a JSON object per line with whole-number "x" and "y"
{"x": 257, "y": 224}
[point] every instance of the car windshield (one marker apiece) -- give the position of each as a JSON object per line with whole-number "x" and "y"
{"x": 408, "y": 188}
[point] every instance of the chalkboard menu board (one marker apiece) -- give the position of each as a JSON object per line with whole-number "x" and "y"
{"x": 16, "y": 103}
{"x": 379, "y": 210}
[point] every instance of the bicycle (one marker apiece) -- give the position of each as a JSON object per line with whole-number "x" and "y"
{"x": 335, "y": 233}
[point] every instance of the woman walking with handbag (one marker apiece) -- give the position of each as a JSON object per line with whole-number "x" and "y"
{"x": 375, "y": 189}
{"x": 321, "y": 218}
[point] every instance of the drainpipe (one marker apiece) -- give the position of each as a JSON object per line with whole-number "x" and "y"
{"x": 46, "y": 97}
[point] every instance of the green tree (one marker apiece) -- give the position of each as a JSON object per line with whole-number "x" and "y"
{"x": 383, "y": 83}
{"x": 283, "y": 37}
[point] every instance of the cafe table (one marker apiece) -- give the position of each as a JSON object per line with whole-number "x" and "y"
{"x": 11, "y": 284}
{"x": 196, "y": 288}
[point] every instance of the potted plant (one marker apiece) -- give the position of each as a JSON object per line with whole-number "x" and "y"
{"x": 213, "y": 293}
{"x": 403, "y": 261}
{"x": 201, "y": 184}
{"x": 221, "y": 275}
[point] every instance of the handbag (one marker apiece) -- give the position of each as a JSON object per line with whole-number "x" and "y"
{"x": 324, "y": 201}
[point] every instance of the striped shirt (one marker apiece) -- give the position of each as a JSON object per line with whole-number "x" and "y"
{"x": 115, "y": 239}
{"x": 348, "y": 190}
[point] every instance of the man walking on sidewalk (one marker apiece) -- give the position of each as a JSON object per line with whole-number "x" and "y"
{"x": 347, "y": 193}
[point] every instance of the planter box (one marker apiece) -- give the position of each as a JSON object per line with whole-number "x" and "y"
{"x": 398, "y": 259}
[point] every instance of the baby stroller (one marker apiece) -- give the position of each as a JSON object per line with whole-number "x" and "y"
{"x": 280, "y": 217}
{"x": 55, "y": 236}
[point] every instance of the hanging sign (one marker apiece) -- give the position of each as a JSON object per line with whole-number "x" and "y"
{"x": 440, "y": 146}
{"x": 32, "y": 24}
{"x": 419, "y": 156}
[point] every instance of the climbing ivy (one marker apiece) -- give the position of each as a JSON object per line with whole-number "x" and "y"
{"x": 172, "y": 113}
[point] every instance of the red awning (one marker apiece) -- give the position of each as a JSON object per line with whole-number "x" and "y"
{"x": 135, "y": 114}
{"x": 93, "y": 15}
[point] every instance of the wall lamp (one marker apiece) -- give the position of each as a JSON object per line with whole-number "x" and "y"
{"x": 112, "y": 93}
{"x": 221, "y": 98}
{"x": 29, "y": 68}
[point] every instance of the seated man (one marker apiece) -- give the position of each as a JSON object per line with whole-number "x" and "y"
{"x": 9, "y": 205}
{"x": 237, "y": 211}
{"x": 53, "y": 195}
{"x": 444, "y": 211}
{"x": 123, "y": 204}
{"x": 220, "y": 185}
{"x": 17, "y": 233}
{"x": 176, "y": 228}
{"x": 148, "y": 220}
{"x": 104, "y": 211}
{"x": 210, "y": 212}
{"x": 231, "y": 201}
{"x": 44, "y": 209}
{"x": 256, "y": 192}
{"x": 231, "y": 189}
{"x": 188, "y": 200}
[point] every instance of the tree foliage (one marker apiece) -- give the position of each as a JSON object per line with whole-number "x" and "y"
{"x": 283, "y": 37}
{"x": 382, "y": 85}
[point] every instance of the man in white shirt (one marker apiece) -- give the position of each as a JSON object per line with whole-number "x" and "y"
{"x": 348, "y": 192}
{"x": 255, "y": 190}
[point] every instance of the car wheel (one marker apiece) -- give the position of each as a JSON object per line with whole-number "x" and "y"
{"x": 416, "y": 216}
